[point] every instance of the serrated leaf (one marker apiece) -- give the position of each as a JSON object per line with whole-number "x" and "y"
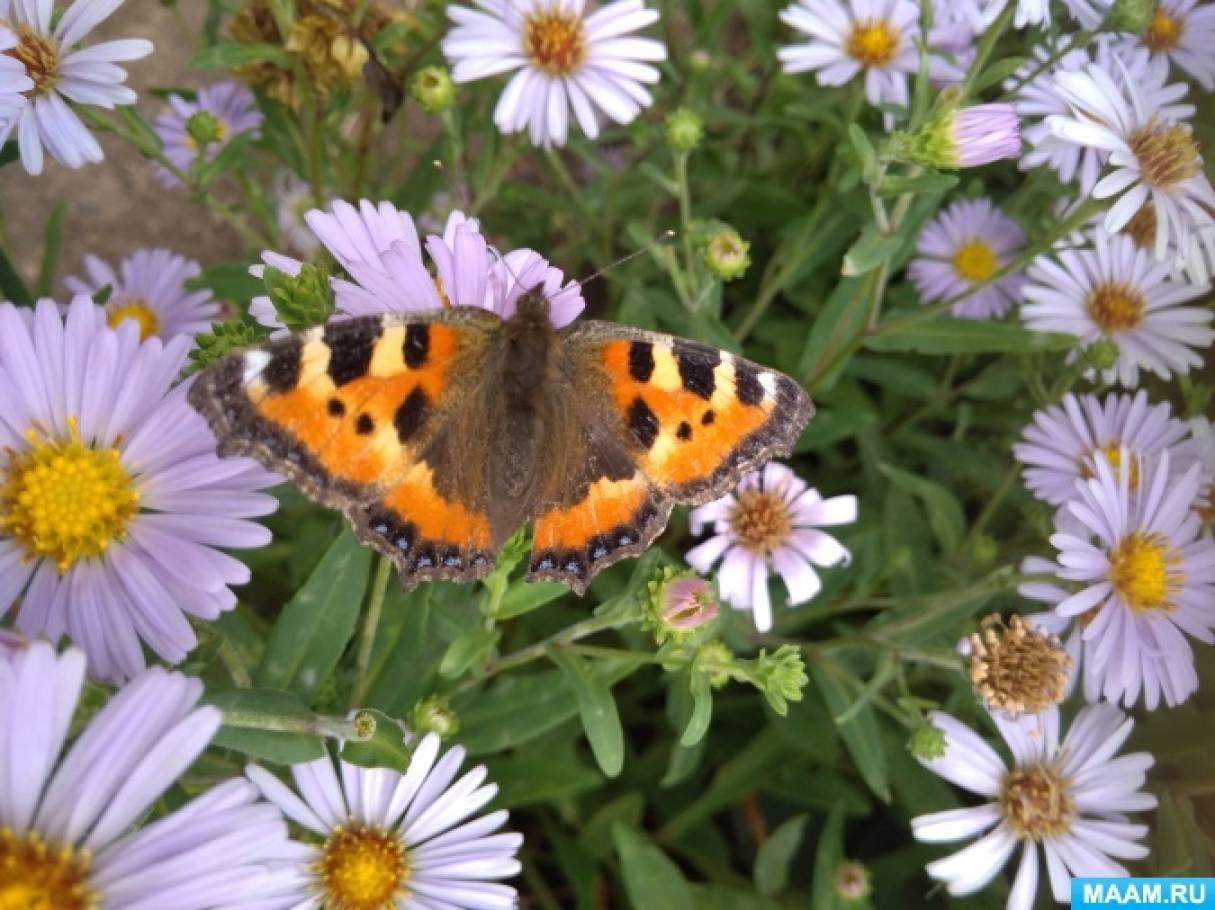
{"x": 945, "y": 514}
{"x": 247, "y": 712}
{"x": 860, "y": 731}
{"x": 775, "y": 855}
{"x": 385, "y": 749}
{"x": 651, "y": 880}
{"x": 312, "y": 631}
{"x": 229, "y": 54}
{"x": 471, "y": 648}
{"x": 597, "y": 708}
{"x": 947, "y": 335}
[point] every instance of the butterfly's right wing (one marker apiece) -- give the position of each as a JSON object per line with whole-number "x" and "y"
{"x": 375, "y": 416}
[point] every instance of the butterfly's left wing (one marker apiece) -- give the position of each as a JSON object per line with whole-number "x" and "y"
{"x": 658, "y": 420}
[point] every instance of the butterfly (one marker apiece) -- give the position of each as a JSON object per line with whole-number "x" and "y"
{"x": 438, "y": 434}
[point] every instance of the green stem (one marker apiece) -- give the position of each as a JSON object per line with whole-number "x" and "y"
{"x": 987, "y": 45}
{"x": 375, "y": 605}
{"x": 311, "y": 725}
{"x": 230, "y": 657}
{"x": 684, "y": 194}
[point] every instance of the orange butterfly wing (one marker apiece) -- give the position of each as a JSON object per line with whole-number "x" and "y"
{"x": 355, "y": 413}
{"x": 692, "y": 419}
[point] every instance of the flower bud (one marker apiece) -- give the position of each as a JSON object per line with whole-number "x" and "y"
{"x": 678, "y": 604}
{"x": 958, "y": 137}
{"x": 727, "y": 255}
{"x": 434, "y": 715}
{"x": 781, "y": 676}
{"x": 684, "y": 130}
{"x": 204, "y": 128}
{"x": 1139, "y": 16}
{"x": 927, "y": 742}
{"x": 1102, "y": 354}
{"x": 852, "y": 882}
{"x": 303, "y": 300}
{"x": 715, "y": 659}
{"x": 433, "y": 89}
{"x": 364, "y": 724}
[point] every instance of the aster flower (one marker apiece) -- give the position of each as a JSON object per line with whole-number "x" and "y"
{"x": 70, "y": 832}
{"x": 562, "y": 59}
{"x": 14, "y": 80}
{"x": 1147, "y": 575}
{"x": 1155, "y": 159}
{"x": 219, "y": 113}
{"x": 1041, "y": 97}
{"x": 1060, "y": 444}
{"x": 378, "y": 247}
{"x": 1016, "y": 667}
{"x": 113, "y": 502}
{"x": 392, "y": 840}
{"x": 848, "y": 37}
{"x": 952, "y": 40}
{"x": 770, "y": 520}
{"x": 1068, "y": 798}
{"x": 59, "y": 75}
{"x": 1181, "y": 32}
{"x": 1115, "y": 291}
{"x": 150, "y": 289}
{"x": 965, "y": 245}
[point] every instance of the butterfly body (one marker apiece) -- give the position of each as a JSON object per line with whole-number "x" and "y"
{"x": 439, "y": 434}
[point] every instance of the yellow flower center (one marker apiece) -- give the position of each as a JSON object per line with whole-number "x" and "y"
{"x": 1145, "y": 570}
{"x": 1037, "y": 803}
{"x": 40, "y": 56}
{"x": 1142, "y": 227}
{"x": 1017, "y": 668}
{"x": 363, "y": 868}
{"x": 135, "y": 308}
{"x": 975, "y": 261}
{"x": 1164, "y": 31}
{"x": 36, "y": 876}
{"x": 873, "y": 42}
{"x": 761, "y": 520}
{"x": 1116, "y": 306}
{"x": 63, "y": 500}
{"x": 555, "y": 41}
{"x": 1167, "y": 155}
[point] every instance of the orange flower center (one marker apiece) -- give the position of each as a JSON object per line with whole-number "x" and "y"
{"x": 555, "y": 41}
{"x": 37, "y": 876}
{"x": 40, "y": 56}
{"x": 363, "y": 868}
{"x": 1037, "y": 802}
{"x": 1167, "y": 155}
{"x": 1116, "y": 306}
{"x": 1164, "y": 31}
{"x": 873, "y": 42}
{"x": 761, "y": 520}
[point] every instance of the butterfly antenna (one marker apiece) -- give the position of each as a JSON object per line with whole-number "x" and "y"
{"x": 664, "y": 237}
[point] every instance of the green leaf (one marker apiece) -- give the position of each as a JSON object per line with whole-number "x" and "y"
{"x": 844, "y": 316}
{"x": 12, "y": 287}
{"x": 248, "y": 711}
{"x": 651, "y": 880}
{"x": 228, "y": 54}
{"x": 774, "y": 856}
{"x": 385, "y": 749}
{"x": 997, "y": 72}
{"x": 311, "y": 633}
{"x": 946, "y": 335}
{"x": 945, "y": 514}
{"x": 893, "y": 185}
{"x": 864, "y": 152}
{"x": 52, "y": 243}
{"x": 702, "y": 709}
{"x": 471, "y": 648}
{"x": 597, "y": 708}
{"x": 527, "y": 782}
{"x": 528, "y": 596}
{"x": 869, "y": 251}
{"x": 841, "y": 690}
{"x": 827, "y": 857}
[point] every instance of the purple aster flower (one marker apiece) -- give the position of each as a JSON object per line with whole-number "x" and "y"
{"x": 150, "y": 289}
{"x": 1059, "y": 446}
{"x": 61, "y": 71}
{"x": 70, "y": 821}
{"x": 1146, "y": 579}
{"x": 965, "y": 245}
{"x": 771, "y": 520}
{"x": 219, "y": 113}
{"x": 384, "y": 839}
{"x": 1060, "y": 800}
{"x": 378, "y": 247}
{"x": 113, "y": 501}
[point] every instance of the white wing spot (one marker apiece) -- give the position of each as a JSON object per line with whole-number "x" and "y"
{"x": 255, "y": 362}
{"x": 768, "y": 381}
